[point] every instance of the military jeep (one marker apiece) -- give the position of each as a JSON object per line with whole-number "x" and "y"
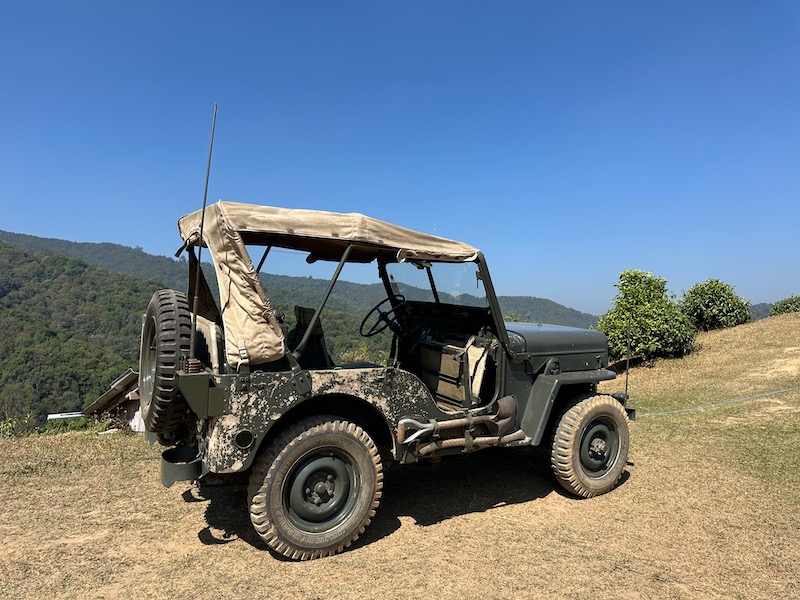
{"x": 231, "y": 390}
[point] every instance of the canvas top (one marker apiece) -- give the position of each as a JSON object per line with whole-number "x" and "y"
{"x": 252, "y": 332}
{"x": 324, "y": 235}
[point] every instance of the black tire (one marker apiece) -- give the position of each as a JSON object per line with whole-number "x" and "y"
{"x": 165, "y": 338}
{"x": 315, "y": 488}
{"x": 590, "y": 446}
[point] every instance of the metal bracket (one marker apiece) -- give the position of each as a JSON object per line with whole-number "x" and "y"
{"x": 301, "y": 379}
{"x": 243, "y": 370}
{"x": 301, "y": 382}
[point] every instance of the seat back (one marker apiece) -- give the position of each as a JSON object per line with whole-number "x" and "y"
{"x": 454, "y": 374}
{"x": 315, "y": 354}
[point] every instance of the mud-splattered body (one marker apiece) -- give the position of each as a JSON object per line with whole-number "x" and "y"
{"x": 267, "y": 397}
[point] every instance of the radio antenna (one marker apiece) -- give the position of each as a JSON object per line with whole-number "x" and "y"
{"x": 196, "y": 292}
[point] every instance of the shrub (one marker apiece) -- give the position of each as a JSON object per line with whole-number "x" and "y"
{"x": 64, "y": 425}
{"x": 11, "y": 427}
{"x": 787, "y": 305}
{"x": 714, "y": 305}
{"x": 8, "y": 427}
{"x": 644, "y": 320}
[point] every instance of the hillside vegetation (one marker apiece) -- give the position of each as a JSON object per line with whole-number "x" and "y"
{"x": 68, "y": 330}
{"x": 305, "y": 291}
{"x": 709, "y": 508}
{"x": 70, "y": 318}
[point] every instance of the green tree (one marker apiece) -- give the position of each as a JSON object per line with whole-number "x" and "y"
{"x": 644, "y": 320}
{"x": 714, "y": 305}
{"x": 787, "y": 305}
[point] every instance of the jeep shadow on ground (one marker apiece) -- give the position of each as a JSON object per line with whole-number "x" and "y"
{"x": 428, "y": 492}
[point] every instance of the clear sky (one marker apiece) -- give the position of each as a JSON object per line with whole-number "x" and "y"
{"x": 568, "y": 140}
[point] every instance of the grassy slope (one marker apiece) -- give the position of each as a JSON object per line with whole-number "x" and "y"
{"x": 710, "y": 508}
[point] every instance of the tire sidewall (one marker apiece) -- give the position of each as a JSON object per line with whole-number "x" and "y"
{"x": 147, "y": 366}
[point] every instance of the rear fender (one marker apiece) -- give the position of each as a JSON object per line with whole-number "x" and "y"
{"x": 265, "y": 400}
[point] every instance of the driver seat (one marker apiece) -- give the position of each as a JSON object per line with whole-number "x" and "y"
{"x": 315, "y": 354}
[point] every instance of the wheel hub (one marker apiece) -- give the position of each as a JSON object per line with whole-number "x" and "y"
{"x": 598, "y": 447}
{"x": 318, "y": 490}
{"x": 322, "y": 490}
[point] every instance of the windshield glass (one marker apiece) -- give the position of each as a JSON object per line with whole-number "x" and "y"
{"x": 446, "y": 283}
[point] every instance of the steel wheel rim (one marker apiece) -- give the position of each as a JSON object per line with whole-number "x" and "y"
{"x": 599, "y": 447}
{"x": 321, "y": 490}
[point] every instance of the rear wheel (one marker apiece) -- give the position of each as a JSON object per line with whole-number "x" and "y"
{"x": 315, "y": 488}
{"x": 590, "y": 446}
{"x": 165, "y": 338}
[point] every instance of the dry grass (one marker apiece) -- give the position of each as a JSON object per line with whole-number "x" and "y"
{"x": 730, "y": 363}
{"x": 709, "y": 509}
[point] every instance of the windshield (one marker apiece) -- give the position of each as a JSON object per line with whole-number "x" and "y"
{"x": 443, "y": 282}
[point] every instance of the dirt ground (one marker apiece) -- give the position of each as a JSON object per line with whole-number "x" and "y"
{"x": 708, "y": 508}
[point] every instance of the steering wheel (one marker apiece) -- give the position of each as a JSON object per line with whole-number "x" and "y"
{"x": 383, "y": 318}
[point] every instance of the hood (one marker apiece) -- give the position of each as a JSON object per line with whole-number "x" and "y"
{"x": 542, "y": 339}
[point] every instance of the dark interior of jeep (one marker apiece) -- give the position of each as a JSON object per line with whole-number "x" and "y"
{"x": 452, "y": 349}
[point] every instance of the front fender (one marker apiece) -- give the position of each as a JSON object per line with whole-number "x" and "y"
{"x": 543, "y": 394}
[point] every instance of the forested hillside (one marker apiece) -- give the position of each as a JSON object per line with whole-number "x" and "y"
{"x": 67, "y": 330}
{"x": 540, "y": 310}
{"x": 303, "y": 291}
{"x": 760, "y": 311}
{"x": 114, "y": 257}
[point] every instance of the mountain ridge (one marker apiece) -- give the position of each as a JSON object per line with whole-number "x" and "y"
{"x": 172, "y": 273}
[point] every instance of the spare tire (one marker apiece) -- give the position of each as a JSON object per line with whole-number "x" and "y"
{"x": 166, "y": 334}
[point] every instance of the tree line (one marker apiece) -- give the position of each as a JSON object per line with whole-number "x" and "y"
{"x": 647, "y": 322}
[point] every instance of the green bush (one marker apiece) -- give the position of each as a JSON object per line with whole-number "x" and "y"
{"x": 8, "y": 427}
{"x": 11, "y": 427}
{"x": 714, "y": 305}
{"x": 644, "y": 320}
{"x": 64, "y": 425}
{"x": 787, "y": 305}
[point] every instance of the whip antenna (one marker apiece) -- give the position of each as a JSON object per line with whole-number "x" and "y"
{"x": 196, "y": 292}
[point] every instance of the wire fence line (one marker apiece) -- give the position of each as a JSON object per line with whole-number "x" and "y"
{"x": 718, "y": 404}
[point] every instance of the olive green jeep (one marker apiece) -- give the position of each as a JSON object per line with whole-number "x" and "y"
{"x": 232, "y": 391}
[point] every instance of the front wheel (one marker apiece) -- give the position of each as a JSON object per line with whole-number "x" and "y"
{"x": 315, "y": 488}
{"x": 590, "y": 446}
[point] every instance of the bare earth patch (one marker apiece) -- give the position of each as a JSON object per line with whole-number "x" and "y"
{"x": 708, "y": 509}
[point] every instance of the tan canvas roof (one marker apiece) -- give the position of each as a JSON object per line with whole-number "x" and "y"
{"x": 321, "y": 233}
{"x": 251, "y": 329}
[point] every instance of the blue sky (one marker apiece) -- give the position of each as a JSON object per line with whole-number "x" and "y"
{"x": 567, "y": 140}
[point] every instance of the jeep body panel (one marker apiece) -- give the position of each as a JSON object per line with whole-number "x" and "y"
{"x": 538, "y": 339}
{"x": 244, "y": 409}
